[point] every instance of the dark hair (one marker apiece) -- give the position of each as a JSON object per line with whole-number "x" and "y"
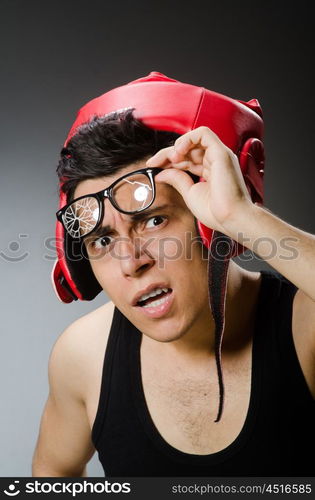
{"x": 107, "y": 144}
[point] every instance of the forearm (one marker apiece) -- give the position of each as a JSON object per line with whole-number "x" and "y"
{"x": 286, "y": 248}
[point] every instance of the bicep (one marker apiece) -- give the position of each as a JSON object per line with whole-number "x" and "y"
{"x": 64, "y": 444}
{"x": 303, "y": 327}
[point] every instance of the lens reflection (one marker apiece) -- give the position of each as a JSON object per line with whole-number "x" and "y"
{"x": 133, "y": 193}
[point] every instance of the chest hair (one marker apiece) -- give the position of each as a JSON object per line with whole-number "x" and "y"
{"x": 183, "y": 407}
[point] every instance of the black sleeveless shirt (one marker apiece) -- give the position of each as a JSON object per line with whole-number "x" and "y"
{"x": 278, "y": 435}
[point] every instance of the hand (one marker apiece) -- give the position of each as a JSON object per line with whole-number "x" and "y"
{"x": 219, "y": 201}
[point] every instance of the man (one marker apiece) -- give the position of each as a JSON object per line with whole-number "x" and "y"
{"x": 130, "y": 195}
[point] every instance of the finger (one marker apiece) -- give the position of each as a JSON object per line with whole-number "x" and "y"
{"x": 189, "y": 166}
{"x": 168, "y": 156}
{"x": 201, "y": 136}
{"x": 178, "y": 179}
{"x": 171, "y": 155}
{"x": 197, "y": 155}
{"x": 161, "y": 158}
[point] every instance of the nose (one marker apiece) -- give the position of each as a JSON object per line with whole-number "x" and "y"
{"x": 135, "y": 259}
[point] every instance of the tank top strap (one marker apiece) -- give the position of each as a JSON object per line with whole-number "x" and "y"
{"x": 107, "y": 374}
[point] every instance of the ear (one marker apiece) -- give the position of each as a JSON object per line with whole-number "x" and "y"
{"x": 252, "y": 162}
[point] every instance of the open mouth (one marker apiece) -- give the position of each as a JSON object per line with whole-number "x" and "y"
{"x": 157, "y": 298}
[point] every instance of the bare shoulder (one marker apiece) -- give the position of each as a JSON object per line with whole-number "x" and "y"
{"x": 93, "y": 321}
{"x": 303, "y": 330}
{"x": 80, "y": 349}
{"x": 88, "y": 328}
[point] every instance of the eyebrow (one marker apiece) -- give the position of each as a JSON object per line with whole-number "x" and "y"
{"x": 104, "y": 230}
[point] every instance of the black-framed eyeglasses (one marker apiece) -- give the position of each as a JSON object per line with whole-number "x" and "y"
{"x": 129, "y": 194}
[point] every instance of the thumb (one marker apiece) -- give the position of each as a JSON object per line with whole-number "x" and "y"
{"x": 179, "y": 179}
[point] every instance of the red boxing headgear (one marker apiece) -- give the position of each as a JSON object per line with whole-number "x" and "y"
{"x": 166, "y": 104}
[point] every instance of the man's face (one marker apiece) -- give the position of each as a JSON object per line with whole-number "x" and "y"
{"x": 161, "y": 250}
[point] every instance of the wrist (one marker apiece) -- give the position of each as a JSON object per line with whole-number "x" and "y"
{"x": 242, "y": 220}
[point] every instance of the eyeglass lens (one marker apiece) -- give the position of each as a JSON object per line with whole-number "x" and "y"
{"x": 132, "y": 194}
{"x": 81, "y": 217}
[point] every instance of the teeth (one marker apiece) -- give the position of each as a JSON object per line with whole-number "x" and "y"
{"x": 155, "y": 292}
{"x": 155, "y": 302}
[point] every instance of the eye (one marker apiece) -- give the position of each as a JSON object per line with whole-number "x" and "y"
{"x": 157, "y": 221}
{"x": 101, "y": 243}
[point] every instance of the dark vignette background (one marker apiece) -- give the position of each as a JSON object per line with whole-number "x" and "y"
{"x": 57, "y": 55}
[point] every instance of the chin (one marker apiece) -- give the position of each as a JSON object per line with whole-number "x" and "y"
{"x": 164, "y": 334}
{"x": 165, "y": 339}
{"x": 165, "y": 329}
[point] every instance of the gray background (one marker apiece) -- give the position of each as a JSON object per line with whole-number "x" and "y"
{"x": 57, "y": 55}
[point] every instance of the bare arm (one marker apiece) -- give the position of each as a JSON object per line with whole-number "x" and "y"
{"x": 286, "y": 248}
{"x": 64, "y": 444}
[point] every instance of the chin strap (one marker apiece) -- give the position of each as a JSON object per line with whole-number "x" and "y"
{"x": 220, "y": 253}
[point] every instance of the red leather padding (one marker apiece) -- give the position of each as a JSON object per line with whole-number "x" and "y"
{"x": 252, "y": 162}
{"x": 57, "y": 277}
